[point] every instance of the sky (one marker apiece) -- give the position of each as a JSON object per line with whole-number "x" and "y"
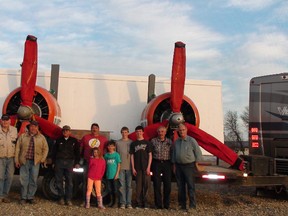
{"x": 226, "y": 40}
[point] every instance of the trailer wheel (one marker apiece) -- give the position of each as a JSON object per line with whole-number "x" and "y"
{"x": 49, "y": 187}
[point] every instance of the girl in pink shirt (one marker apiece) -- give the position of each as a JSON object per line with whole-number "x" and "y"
{"x": 97, "y": 166}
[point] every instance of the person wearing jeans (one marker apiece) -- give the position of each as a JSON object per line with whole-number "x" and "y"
{"x": 31, "y": 151}
{"x": 8, "y": 136}
{"x": 125, "y": 174}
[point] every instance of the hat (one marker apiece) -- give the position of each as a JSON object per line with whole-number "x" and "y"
{"x": 5, "y": 117}
{"x": 35, "y": 123}
{"x": 66, "y": 127}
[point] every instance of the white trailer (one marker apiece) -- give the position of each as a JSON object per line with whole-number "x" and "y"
{"x": 114, "y": 101}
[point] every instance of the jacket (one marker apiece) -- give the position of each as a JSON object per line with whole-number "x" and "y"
{"x": 8, "y": 142}
{"x": 40, "y": 148}
{"x": 66, "y": 149}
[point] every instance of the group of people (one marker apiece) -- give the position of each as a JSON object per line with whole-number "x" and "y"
{"x": 116, "y": 161}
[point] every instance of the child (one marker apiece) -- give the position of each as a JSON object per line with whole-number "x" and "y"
{"x": 96, "y": 172}
{"x": 125, "y": 174}
{"x": 112, "y": 172}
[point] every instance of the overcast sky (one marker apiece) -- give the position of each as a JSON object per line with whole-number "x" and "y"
{"x": 227, "y": 40}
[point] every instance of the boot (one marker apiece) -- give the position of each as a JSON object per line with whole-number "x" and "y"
{"x": 87, "y": 205}
{"x": 100, "y": 202}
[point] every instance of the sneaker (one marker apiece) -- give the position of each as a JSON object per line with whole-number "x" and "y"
{"x": 22, "y": 201}
{"x": 61, "y": 202}
{"x": 69, "y": 203}
{"x": 122, "y": 206}
{"x": 146, "y": 206}
{"x": 6, "y": 200}
{"x": 31, "y": 201}
{"x": 129, "y": 206}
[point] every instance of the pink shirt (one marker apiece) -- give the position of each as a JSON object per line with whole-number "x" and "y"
{"x": 89, "y": 141}
{"x": 97, "y": 168}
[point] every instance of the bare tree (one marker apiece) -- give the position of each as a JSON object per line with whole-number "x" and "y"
{"x": 245, "y": 117}
{"x": 232, "y": 129}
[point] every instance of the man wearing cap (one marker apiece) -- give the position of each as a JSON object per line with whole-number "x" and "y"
{"x": 88, "y": 142}
{"x": 31, "y": 150}
{"x": 65, "y": 156}
{"x": 8, "y": 136}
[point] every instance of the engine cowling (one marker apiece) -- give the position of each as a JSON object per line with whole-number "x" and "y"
{"x": 44, "y": 105}
{"x": 159, "y": 109}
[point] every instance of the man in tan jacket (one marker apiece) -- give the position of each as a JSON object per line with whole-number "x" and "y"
{"x": 8, "y": 136}
{"x": 31, "y": 150}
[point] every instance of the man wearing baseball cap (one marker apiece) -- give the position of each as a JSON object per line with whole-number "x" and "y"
{"x": 31, "y": 150}
{"x": 8, "y": 136}
{"x": 65, "y": 156}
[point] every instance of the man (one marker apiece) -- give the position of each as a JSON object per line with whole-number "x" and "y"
{"x": 141, "y": 158}
{"x": 125, "y": 175}
{"x": 65, "y": 155}
{"x": 87, "y": 143}
{"x": 186, "y": 153}
{"x": 161, "y": 164}
{"x": 8, "y": 136}
{"x": 31, "y": 150}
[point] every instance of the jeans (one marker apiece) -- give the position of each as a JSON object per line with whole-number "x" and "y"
{"x": 185, "y": 175}
{"x": 28, "y": 179}
{"x": 125, "y": 188}
{"x": 162, "y": 167}
{"x": 64, "y": 168}
{"x": 6, "y": 175}
{"x": 142, "y": 185}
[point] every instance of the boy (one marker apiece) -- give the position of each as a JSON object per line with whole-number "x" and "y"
{"x": 141, "y": 158}
{"x": 125, "y": 175}
{"x": 112, "y": 170}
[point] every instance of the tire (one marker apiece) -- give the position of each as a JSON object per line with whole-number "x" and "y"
{"x": 49, "y": 187}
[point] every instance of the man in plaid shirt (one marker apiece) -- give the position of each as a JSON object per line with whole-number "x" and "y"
{"x": 31, "y": 150}
{"x": 161, "y": 168}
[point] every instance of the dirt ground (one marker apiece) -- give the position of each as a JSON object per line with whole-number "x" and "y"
{"x": 211, "y": 200}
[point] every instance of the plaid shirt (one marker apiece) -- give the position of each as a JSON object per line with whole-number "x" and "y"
{"x": 30, "y": 151}
{"x": 161, "y": 149}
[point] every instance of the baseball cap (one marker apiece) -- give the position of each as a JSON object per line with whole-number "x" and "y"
{"x": 5, "y": 117}
{"x": 34, "y": 123}
{"x": 66, "y": 127}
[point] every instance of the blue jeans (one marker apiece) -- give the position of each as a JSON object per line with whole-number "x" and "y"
{"x": 28, "y": 179}
{"x": 125, "y": 188}
{"x": 6, "y": 175}
{"x": 185, "y": 175}
{"x": 64, "y": 167}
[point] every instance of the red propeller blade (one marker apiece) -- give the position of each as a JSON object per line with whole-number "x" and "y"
{"x": 48, "y": 128}
{"x": 214, "y": 146}
{"x": 178, "y": 76}
{"x": 29, "y": 71}
{"x": 150, "y": 131}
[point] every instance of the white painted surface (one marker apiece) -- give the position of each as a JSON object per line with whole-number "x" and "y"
{"x": 113, "y": 101}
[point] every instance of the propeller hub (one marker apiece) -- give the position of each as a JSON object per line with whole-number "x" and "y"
{"x": 25, "y": 112}
{"x": 175, "y": 119}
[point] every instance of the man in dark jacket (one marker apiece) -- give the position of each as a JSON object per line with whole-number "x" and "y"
{"x": 65, "y": 155}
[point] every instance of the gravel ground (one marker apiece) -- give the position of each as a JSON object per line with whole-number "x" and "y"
{"x": 211, "y": 200}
